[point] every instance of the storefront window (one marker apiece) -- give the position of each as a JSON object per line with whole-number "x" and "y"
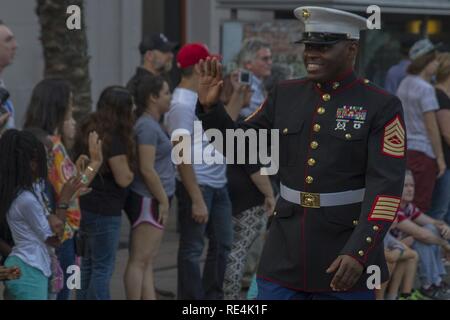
{"x": 382, "y": 48}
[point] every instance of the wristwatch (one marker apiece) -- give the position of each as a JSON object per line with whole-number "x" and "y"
{"x": 62, "y": 206}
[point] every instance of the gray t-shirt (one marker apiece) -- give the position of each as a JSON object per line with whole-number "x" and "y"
{"x": 418, "y": 97}
{"x": 149, "y": 132}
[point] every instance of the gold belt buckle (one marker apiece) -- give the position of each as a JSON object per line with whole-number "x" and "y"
{"x": 310, "y": 200}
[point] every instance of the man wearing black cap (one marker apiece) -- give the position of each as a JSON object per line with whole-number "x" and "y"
{"x": 341, "y": 167}
{"x": 157, "y": 56}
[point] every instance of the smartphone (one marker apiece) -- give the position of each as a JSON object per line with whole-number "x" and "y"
{"x": 244, "y": 77}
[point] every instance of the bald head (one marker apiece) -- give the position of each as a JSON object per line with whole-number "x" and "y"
{"x": 8, "y": 46}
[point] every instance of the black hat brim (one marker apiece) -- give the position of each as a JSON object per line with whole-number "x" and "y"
{"x": 169, "y": 47}
{"x": 322, "y": 38}
{"x": 317, "y": 42}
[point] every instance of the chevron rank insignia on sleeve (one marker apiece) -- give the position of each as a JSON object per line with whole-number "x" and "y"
{"x": 394, "y": 139}
{"x": 384, "y": 208}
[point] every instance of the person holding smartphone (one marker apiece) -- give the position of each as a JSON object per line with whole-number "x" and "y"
{"x": 255, "y": 61}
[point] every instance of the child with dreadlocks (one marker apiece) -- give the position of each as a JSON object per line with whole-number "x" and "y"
{"x": 24, "y": 207}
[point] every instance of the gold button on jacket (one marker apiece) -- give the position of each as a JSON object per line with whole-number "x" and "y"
{"x": 316, "y": 128}
{"x": 311, "y": 162}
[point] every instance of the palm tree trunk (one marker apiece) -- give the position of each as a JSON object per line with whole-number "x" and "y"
{"x": 65, "y": 51}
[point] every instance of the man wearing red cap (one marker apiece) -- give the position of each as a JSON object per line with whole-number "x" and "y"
{"x": 204, "y": 207}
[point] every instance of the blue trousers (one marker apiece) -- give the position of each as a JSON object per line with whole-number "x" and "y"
{"x": 272, "y": 291}
{"x": 102, "y": 234}
{"x": 192, "y": 285}
{"x": 430, "y": 268}
{"x": 440, "y": 205}
{"x": 66, "y": 256}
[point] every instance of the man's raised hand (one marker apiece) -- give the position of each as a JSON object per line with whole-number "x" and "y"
{"x": 210, "y": 81}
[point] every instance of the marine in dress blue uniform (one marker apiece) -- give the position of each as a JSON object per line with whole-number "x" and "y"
{"x": 342, "y": 166}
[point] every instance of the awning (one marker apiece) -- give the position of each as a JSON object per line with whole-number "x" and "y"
{"x": 422, "y": 7}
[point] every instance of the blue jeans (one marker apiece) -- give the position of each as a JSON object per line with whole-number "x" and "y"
{"x": 430, "y": 268}
{"x": 100, "y": 235}
{"x": 440, "y": 205}
{"x": 271, "y": 291}
{"x": 191, "y": 284}
{"x": 66, "y": 257}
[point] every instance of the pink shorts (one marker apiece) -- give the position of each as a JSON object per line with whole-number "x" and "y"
{"x": 141, "y": 209}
